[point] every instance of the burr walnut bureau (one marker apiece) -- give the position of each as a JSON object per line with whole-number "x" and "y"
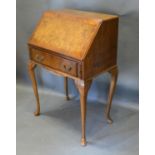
{"x": 78, "y": 45}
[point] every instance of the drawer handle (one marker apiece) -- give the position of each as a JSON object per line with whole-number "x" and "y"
{"x": 39, "y": 58}
{"x": 67, "y": 68}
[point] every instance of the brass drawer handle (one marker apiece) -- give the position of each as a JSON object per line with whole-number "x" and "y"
{"x": 67, "y": 68}
{"x": 39, "y": 58}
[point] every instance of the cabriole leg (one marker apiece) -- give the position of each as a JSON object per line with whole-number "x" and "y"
{"x": 66, "y": 87}
{"x": 31, "y": 67}
{"x": 114, "y": 74}
{"x": 83, "y": 87}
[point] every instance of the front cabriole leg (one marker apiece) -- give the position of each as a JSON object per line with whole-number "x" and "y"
{"x": 83, "y": 87}
{"x": 31, "y": 67}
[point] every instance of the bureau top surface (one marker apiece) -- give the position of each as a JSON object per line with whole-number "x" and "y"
{"x": 68, "y": 32}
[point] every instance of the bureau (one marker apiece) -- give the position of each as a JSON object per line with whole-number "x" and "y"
{"x": 79, "y": 45}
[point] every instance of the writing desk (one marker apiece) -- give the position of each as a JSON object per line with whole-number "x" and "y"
{"x": 78, "y": 45}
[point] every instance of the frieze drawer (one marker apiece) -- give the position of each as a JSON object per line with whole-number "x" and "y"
{"x": 56, "y": 62}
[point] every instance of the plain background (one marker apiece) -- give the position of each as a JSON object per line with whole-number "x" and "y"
{"x": 127, "y": 91}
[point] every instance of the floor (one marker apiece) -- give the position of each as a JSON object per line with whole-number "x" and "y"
{"x": 57, "y": 130}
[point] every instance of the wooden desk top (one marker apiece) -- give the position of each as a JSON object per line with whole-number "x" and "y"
{"x": 88, "y": 40}
{"x": 68, "y": 32}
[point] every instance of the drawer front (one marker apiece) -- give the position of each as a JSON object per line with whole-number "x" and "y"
{"x": 55, "y": 62}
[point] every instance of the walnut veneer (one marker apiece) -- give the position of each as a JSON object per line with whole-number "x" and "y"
{"x": 78, "y": 45}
